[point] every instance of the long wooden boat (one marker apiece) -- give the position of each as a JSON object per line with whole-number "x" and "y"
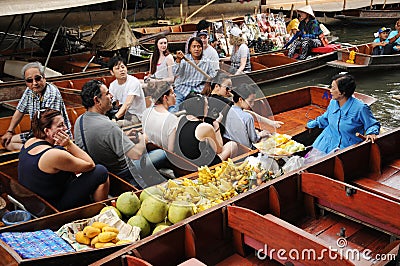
{"x": 215, "y": 214}
{"x": 302, "y": 214}
{"x": 272, "y": 67}
{"x": 369, "y": 17}
{"x": 364, "y": 60}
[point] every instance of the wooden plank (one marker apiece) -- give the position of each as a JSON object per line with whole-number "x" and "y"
{"x": 362, "y": 205}
{"x": 277, "y": 234}
{"x": 378, "y": 188}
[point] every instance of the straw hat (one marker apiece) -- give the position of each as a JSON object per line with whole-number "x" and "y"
{"x": 307, "y": 9}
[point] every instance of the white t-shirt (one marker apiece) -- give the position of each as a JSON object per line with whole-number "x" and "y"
{"x": 211, "y": 54}
{"x": 132, "y": 86}
{"x": 158, "y": 126}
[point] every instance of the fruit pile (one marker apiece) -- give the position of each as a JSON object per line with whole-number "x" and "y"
{"x": 99, "y": 235}
{"x": 162, "y": 205}
{"x": 279, "y": 144}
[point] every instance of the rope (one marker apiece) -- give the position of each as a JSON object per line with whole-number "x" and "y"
{"x": 124, "y": 9}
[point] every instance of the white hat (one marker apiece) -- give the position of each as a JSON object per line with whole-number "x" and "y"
{"x": 235, "y": 31}
{"x": 307, "y": 9}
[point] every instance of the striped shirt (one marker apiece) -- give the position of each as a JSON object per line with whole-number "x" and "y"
{"x": 31, "y": 102}
{"x": 190, "y": 79}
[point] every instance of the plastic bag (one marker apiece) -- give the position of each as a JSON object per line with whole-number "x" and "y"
{"x": 294, "y": 163}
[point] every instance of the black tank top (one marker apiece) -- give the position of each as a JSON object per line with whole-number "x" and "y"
{"x": 49, "y": 186}
{"x": 189, "y": 147}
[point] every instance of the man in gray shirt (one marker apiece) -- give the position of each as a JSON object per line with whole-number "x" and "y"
{"x": 102, "y": 138}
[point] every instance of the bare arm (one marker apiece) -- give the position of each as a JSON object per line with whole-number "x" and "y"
{"x": 140, "y": 147}
{"x": 56, "y": 160}
{"x": 171, "y": 141}
{"x": 243, "y": 61}
{"x": 16, "y": 118}
{"x": 125, "y": 106}
{"x": 264, "y": 120}
{"x": 391, "y": 40}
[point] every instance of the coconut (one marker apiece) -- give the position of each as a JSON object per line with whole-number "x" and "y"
{"x": 154, "y": 190}
{"x": 179, "y": 210}
{"x": 128, "y": 203}
{"x": 154, "y": 209}
{"x": 112, "y": 208}
{"x": 142, "y": 223}
{"x": 159, "y": 228}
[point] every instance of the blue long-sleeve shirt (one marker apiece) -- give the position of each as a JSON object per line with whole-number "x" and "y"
{"x": 341, "y": 124}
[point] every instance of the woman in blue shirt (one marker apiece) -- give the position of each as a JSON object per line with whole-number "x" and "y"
{"x": 344, "y": 117}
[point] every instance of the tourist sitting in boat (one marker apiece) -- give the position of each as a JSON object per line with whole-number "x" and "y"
{"x": 49, "y": 160}
{"x": 188, "y": 77}
{"x": 308, "y": 35}
{"x": 127, "y": 92}
{"x": 159, "y": 124}
{"x": 240, "y": 54}
{"x": 216, "y": 44}
{"x": 239, "y": 124}
{"x": 197, "y": 141}
{"x": 218, "y": 99}
{"x": 394, "y": 38}
{"x": 344, "y": 117}
{"x": 380, "y": 45}
{"x": 38, "y": 94}
{"x": 161, "y": 62}
{"x": 200, "y": 26}
{"x": 209, "y": 51}
{"x": 103, "y": 139}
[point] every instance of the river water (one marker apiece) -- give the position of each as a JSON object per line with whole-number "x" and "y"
{"x": 382, "y": 85}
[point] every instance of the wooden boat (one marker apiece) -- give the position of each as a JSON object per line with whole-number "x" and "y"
{"x": 364, "y": 60}
{"x": 300, "y": 106}
{"x": 55, "y": 221}
{"x": 296, "y": 213}
{"x": 377, "y": 168}
{"x": 369, "y": 17}
{"x": 271, "y": 67}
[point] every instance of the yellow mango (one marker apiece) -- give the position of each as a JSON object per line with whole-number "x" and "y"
{"x": 99, "y": 225}
{"x": 94, "y": 240}
{"x": 110, "y": 229}
{"x": 91, "y": 231}
{"x": 81, "y": 238}
{"x": 122, "y": 242}
{"x": 107, "y": 236}
{"x": 103, "y": 245}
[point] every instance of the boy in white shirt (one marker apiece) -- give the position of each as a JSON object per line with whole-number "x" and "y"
{"x": 127, "y": 91}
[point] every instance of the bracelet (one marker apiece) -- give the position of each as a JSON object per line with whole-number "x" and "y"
{"x": 217, "y": 129}
{"x": 11, "y": 131}
{"x": 66, "y": 146}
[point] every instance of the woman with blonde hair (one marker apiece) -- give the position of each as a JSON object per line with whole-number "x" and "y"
{"x": 49, "y": 160}
{"x": 240, "y": 55}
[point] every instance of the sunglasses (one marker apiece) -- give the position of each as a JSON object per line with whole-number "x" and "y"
{"x": 39, "y": 112}
{"x": 37, "y": 78}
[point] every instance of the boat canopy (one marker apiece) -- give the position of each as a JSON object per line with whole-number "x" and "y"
{"x": 114, "y": 36}
{"x": 17, "y": 7}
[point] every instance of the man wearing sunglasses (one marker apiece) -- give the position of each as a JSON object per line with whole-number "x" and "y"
{"x": 38, "y": 95}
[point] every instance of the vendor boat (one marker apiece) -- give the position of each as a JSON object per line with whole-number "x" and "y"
{"x": 360, "y": 58}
